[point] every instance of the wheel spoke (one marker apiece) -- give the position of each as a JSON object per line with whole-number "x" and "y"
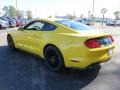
{"x": 53, "y": 59}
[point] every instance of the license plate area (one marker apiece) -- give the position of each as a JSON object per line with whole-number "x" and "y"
{"x": 110, "y": 51}
{"x": 105, "y": 41}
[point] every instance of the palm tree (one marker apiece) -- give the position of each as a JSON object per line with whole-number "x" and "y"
{"x": 0, "y": 12}
{"x": 103, "y": 11}
{"x": 117, "y": 15}
{"x": 89, "y": 12}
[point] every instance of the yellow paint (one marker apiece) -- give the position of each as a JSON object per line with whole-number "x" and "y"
{"x": 69, "y": 42}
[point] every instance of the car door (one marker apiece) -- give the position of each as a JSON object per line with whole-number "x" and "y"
{"x": 40, "y": 34}
{"x": 29, "y": 39}
{"x": 35, "y": 35}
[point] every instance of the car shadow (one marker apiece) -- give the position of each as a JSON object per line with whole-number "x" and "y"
{"x": 22, "y": 71}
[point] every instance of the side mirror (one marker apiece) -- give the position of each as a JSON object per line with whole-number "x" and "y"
{"x": 21, "y": 28}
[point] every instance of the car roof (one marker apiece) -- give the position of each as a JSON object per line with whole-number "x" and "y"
{"x": 52, "y": 19}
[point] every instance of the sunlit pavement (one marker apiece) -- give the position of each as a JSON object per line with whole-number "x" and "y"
{"x": 22, "y": 71}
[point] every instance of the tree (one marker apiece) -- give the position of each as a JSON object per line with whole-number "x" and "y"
{"x": 20, "y": 13}
{"x": 5, "y": 10}
{"x": 81, "y": 16}
{"x": 0, "y": 12}
{"x": 49, "y": 16}
{"x": 89, "y": 12}
{"x": 11, "y": 11}
{"x": 103, "y": 11}
{"x": 117, "y": 15}
{"x": 92, "y": 20}
{"x": 29, "y": 14}
{"x": 70, "y": 16}
{"x": 74, "y": 15}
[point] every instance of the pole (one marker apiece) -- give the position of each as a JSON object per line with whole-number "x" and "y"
{"x": 92, "y": 20}
{"x": 16, "y": 6}
{"x": 93, "y": 7}
{"x": 74, "y": 15}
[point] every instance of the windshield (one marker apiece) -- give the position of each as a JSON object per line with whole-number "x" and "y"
{"x": 74, "y": 25}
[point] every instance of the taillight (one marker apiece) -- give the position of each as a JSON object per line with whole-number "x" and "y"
{"x": 111, "y": 38}
{"x": 92, "y": 43}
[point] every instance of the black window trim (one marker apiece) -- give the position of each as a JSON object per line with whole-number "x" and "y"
{"x": 24, "y": 28}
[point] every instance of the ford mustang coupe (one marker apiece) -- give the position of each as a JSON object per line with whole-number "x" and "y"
{"x": 63, "y": 43}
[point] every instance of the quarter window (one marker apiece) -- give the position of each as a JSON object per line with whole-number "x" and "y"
{"x": 48, "y": 27}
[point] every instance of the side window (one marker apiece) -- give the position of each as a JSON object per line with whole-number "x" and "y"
{"x": 48, "y": 27}
{"x": 35, "y": 26}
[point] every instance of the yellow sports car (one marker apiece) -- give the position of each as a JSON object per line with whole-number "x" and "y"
{"x": 63, "y": 43}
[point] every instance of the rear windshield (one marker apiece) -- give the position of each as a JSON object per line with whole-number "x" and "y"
{"x": 74, "y": 25}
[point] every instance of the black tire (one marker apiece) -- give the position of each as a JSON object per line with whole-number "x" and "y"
{"x": 10, "y": 42}
{"x": 97, "y": 66}
{"x": 0, "y": 26}
{"x": 54, "y": 59}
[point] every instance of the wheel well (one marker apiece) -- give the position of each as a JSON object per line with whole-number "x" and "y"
{"x": 63, "y": 62}
{"x": 8, "y": 35}
{"x": 0, "y": 26}
{"x": 48, "y": 46}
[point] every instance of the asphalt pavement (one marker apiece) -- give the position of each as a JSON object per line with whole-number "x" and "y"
{"x": 23, "y": 71}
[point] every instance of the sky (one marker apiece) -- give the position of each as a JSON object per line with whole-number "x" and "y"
{"x": 45, "y": 8}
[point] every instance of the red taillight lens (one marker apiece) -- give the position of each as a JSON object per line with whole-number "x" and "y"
{"x": 92, "y": 43}
{"x": 111, "y": 38}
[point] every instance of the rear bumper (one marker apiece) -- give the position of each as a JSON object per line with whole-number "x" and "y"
{"x": 89, "y": 57}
